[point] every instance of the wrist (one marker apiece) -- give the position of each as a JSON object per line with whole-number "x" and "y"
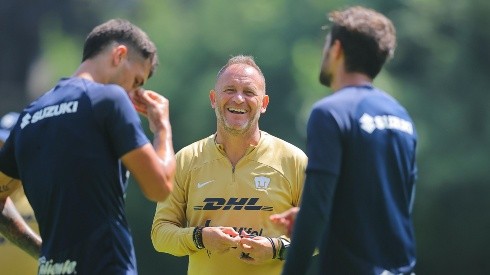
{"x": 274, "y": 246}
{"x": 197, "y": 237}
{"x": 162, "y": 131}
{"x": 283, "y": 249}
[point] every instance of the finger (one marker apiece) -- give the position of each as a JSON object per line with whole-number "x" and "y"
{"x": 274, "y": 217}
{"x": 140, "y": 109}
{"x": 143, "y": 96}
{"x": 229, "y": 231}
{"x": 151, "y": 96}
{"x": 137, "y": 102}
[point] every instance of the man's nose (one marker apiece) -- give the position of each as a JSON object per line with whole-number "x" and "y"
{"x": 239, "y": 97}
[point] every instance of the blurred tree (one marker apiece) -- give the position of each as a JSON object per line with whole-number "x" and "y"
{"x": 19, "y": 46}
{"x": 442, "y": 63}
{"x": 21, "y": 24}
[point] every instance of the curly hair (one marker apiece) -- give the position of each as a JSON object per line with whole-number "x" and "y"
{"x": 368, "y": 38}
{"x": 123, "y": 32}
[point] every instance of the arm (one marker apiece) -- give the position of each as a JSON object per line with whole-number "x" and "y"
{"x": 171, "y": 232}
{"x": 153, "y": 167}
{"x": 324, "y": 150}
{"x": 15, "y": 229}
{"x": 168, "y": 232}
{"x": 12, "y": 225}
{"x": 312, "y": 222}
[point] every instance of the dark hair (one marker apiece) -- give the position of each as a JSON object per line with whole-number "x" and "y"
{"x": 367, "y": 37}
{"x": 122, "y": 32}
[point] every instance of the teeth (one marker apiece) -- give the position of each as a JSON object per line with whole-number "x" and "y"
{"x": 235, "y": 110}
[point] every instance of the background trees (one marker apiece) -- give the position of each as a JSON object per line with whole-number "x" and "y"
{"x": 439, "y": 73}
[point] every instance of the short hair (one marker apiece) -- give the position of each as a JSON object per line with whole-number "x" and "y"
{"x": 120, "y": 31}
{"x": 241, "y": 59}
{"x": 368, "y": 38}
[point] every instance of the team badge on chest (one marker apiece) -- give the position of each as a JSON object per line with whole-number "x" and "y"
{"x": 262, "y": 182}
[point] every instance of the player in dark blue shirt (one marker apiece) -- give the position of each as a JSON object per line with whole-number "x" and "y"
{"x": 73, "y": 146}
{"x": 360, "y": 179}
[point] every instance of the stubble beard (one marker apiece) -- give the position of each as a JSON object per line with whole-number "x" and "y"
{"x": 234, "y": 130}
{"x": 325, "y": 78}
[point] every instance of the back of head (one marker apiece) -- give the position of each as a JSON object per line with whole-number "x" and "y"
{"x": 120, "y": 31}
{"x": 368, "y": 38}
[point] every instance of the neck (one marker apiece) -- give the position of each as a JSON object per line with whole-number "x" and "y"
{"x": 236, "y": 146}
{"x": 91, "y": 70}
{"x": 350, "y": 79}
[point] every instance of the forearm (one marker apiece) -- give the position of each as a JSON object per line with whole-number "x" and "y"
{"x": 313, "y": 217}
{"x": 163, "y": 145}
{"x": 168, "y": 231}
{"x": 172, "y": 239}
{"x": 15, "y": 229}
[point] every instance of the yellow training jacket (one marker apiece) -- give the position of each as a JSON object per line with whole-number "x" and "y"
{"x": 209, "y": 192}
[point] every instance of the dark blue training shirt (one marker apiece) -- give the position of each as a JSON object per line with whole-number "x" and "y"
{"x": 66, "y": 149}
{"x": 363, "y": 141}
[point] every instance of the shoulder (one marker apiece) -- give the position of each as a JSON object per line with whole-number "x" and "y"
{"x": 109, "y": 100}
{"x": 344, "y": 104}
{"x": 344, "y": 99}
{"x": 199, "y": 151}
{"x": 98, "y": 94}
{"x": 105, "y": 92}
{"x": 282, "y": 146}
{"x": 196, "y": 147}
{"x": 279, "y": 154}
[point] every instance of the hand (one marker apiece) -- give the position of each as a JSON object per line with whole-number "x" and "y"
{"x": 8, "y": 185}
{"x": 286, "y": 220}
{"x": 152, "y": 105}
{"x": 220, "y": 239}
{"x": 256, "y": 250}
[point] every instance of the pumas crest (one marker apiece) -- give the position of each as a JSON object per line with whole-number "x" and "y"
{"x": 262, "y": 182}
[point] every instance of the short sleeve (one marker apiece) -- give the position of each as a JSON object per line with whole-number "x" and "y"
{"x": 120, "y": 120}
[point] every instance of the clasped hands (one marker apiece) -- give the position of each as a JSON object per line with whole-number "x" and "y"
{"x": 248, "y": 248}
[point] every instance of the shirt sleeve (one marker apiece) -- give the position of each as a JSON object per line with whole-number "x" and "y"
{"x": 312, "y": 223}
{"x": 300, "y": 178}
{"x": 324, "y": 143}
{"x": 169, "y": 232}
{"x": 115, "y": 113}
{"x": 324, "y": 151}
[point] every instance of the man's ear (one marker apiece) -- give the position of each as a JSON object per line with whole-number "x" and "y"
{"x": 336, "y": 49}
{"x": 212, "y": 98}
{"x": 119, "y": 53}
{"x": 265, "y": 103}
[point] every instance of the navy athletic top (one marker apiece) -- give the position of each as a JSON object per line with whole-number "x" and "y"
{"x": 359, "y": 186}
{"x": 66, "y": 149}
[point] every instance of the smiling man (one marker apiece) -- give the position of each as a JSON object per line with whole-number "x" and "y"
{"x": 228, "y": 184}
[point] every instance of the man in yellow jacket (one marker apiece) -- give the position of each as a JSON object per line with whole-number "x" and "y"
{"x": 228, "y": 184}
